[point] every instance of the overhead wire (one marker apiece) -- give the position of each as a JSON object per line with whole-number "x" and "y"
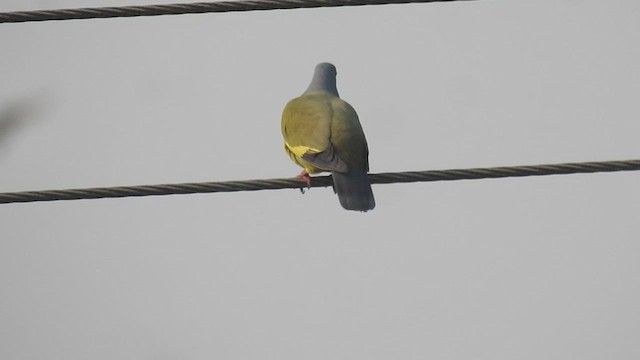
{"x": 319, "y": 181}
{"x": 189, "y": 8}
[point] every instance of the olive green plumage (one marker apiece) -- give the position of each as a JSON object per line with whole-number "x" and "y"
{"x": 323, "y": 133}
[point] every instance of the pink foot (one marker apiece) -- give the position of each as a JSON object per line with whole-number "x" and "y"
{"x": 306, "y": 178}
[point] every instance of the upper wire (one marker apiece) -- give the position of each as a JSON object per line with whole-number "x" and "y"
{"x": 189, "y": 8}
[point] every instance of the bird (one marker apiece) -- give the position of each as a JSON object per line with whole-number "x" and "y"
{"x": 322, "y": 133}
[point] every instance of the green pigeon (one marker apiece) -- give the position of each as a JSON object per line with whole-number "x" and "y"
{"x": 322, "y": 133}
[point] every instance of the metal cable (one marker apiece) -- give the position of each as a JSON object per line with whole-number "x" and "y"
{"x": 190, "y": 8}
{"x": 318, "y": 181}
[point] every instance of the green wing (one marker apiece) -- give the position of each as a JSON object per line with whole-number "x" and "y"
{"x": 307, "y": 130}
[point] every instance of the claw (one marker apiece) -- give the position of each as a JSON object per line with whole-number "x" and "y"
{"x": 304, "y": 176}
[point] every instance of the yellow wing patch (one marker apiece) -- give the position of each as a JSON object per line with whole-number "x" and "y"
{"x": 296, "y": 153}
{"x": 300, "y": 150}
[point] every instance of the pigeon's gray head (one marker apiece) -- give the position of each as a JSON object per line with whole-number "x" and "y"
{"x": 324, "y": 80}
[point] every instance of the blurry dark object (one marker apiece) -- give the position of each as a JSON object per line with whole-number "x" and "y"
{"x": 16, "y": 115}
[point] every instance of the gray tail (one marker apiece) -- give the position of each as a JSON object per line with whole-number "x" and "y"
{"x": 354, "y": 190}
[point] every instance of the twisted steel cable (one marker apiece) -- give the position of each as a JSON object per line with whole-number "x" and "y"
{"x": 319, "y": 181}
{"x": 190, "y": 8}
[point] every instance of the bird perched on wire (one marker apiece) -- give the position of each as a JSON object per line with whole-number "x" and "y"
{"x": 322, "y": 133}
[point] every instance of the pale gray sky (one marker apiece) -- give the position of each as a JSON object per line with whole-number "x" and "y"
{"x": 533, "y": 268}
